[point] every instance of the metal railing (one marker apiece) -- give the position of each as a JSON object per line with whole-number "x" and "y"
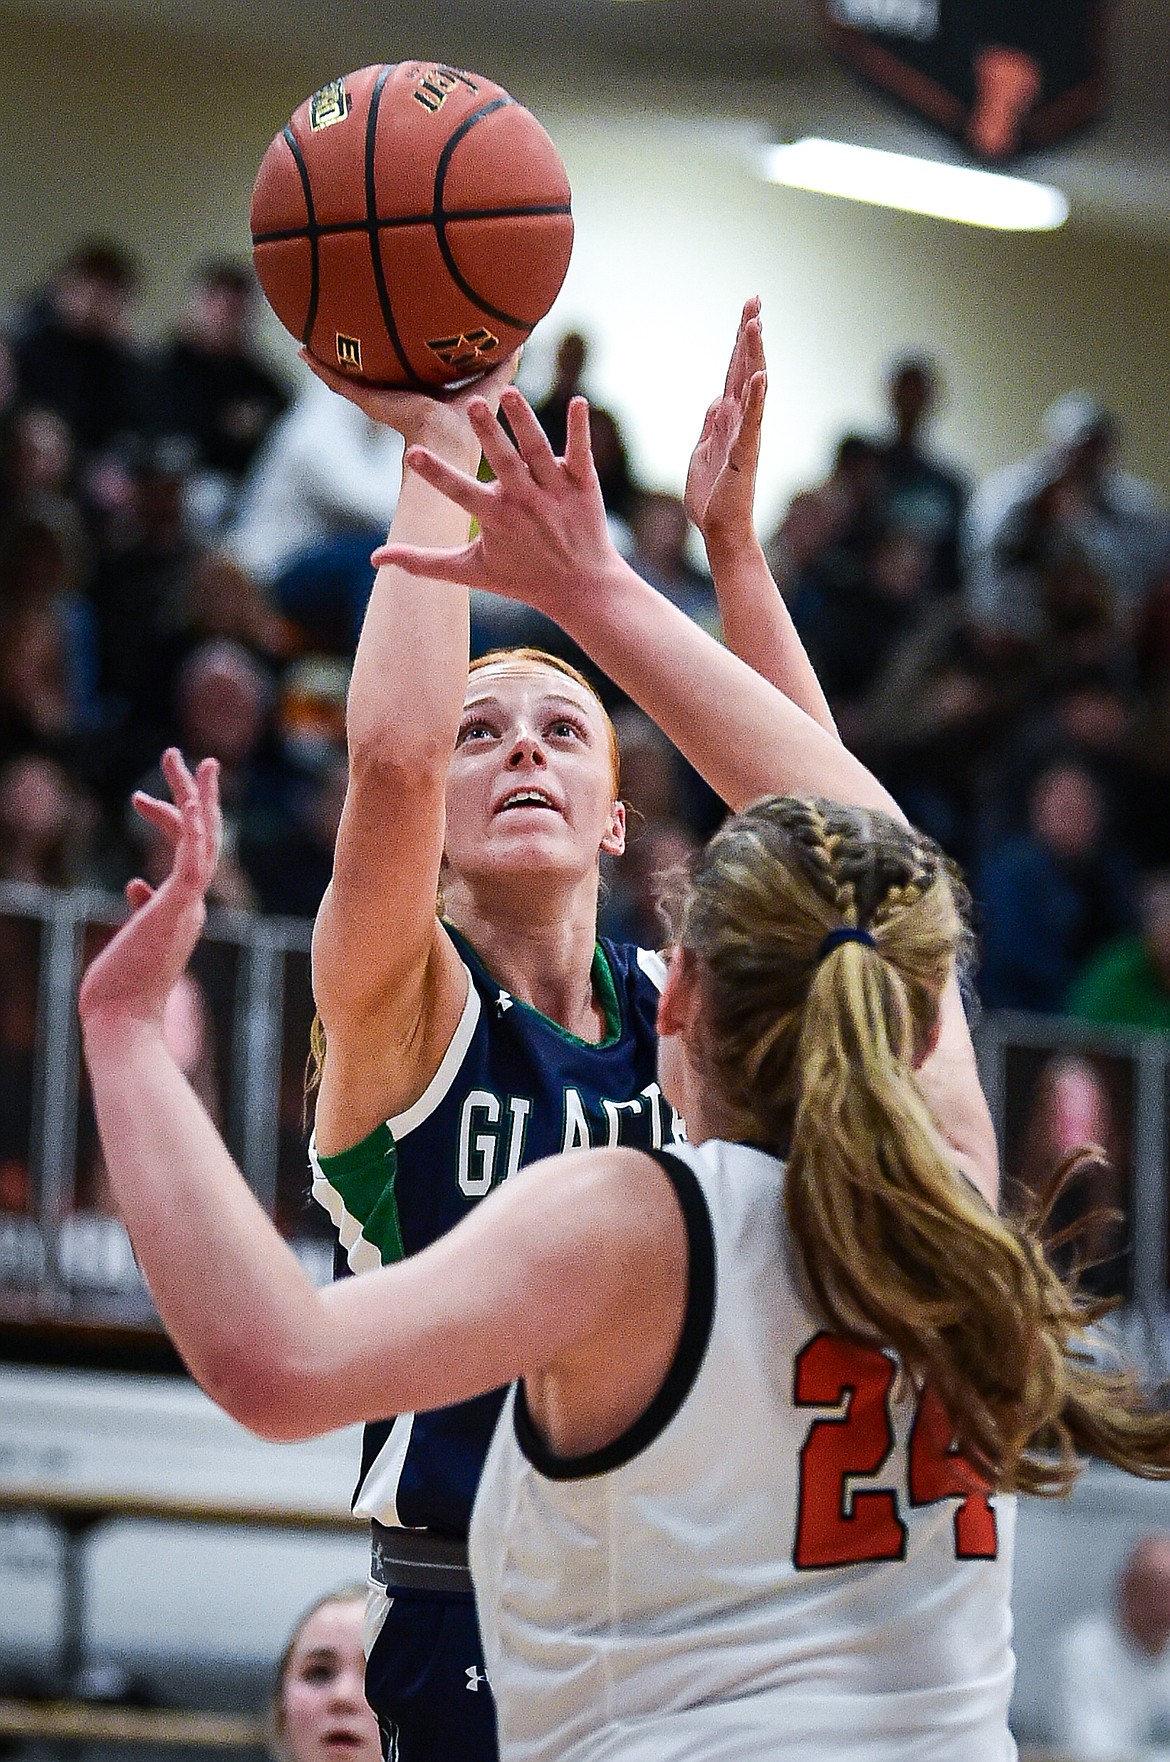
{"x": 62, "y": 1254}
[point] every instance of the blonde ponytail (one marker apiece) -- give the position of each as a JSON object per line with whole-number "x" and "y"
{"x": 812, "y": 1043}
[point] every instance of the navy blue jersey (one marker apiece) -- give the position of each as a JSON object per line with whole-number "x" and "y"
{"x": 512, "y": 1087}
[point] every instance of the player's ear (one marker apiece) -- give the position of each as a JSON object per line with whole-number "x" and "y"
{"x": 678, "y": 1003}
{"x": 613, "y": 843}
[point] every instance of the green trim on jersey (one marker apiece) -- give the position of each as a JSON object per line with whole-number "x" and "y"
{"x": 363, "y": 1177}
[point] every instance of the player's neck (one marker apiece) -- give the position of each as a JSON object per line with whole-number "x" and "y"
{"x": 542, "y": 957}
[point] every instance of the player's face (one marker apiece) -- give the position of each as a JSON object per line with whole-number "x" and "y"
{"x": 323, "y": 1712}
{"x": 531, "y": 787}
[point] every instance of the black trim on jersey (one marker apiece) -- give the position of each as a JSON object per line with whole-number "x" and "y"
{"x": 684, "y": 1367}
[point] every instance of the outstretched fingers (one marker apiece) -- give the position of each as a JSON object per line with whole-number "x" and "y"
{"x": 466, "y": 492}
{"x": 207, "y": 785}
{"x": 532, "y": 443}
{"x": 164, "y": 816}
{"x": 459, "y": 566}
{"x": 194, "y": 824}
{"x": 746, "y": 337}
{"x": 578, "y": 447}
{"x": 498, "y": 450}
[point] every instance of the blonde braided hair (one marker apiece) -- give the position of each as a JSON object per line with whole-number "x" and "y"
{"x": 813, "y": 1053}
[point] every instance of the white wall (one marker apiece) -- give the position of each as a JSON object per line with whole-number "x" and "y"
{"x": 675, "y": 229}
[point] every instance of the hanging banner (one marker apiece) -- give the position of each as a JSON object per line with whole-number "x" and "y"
{"x": 1004, "y": 76}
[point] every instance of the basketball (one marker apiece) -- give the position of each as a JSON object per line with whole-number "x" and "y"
{"x": 411, "y": 224}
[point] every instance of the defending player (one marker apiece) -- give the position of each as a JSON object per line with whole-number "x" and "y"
{"x": 718, "y": 1518}
{"x": 474, "y": 1050}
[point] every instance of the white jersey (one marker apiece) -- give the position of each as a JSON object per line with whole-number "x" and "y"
{"x": 782, "y": 1559}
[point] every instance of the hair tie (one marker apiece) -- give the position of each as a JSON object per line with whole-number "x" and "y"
{"x": 847, "y": 933}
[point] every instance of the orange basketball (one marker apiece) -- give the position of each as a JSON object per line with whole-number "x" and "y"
{"x": 411, "y": 224}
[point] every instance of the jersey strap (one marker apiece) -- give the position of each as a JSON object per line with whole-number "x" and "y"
{"x": 688, "y": 1357}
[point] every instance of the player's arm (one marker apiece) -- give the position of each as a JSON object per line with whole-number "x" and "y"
{"x": 758, "y": 626}
{"x": 519, "y": 1289}
{"x": 387, "y": 983}
{"x": 543, "y": 540}
{"x": 720, "y": 499}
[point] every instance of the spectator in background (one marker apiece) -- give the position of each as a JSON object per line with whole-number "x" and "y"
{"x": 611, "y": 460}
{"x": 552, "y": 412}
{"x": 46, "y": 643}
{"x": 1072, "y": 1105}
{"x": 1128, "y": 982}
{"x": 73, "y": 350}
{"x": 223, "y": 703}
{"x": 318, "y": 499}
{"x": 319, "y": 1709}
{"x": 934, "y": 720}
{"x": 1086, "y": 716}
{"x": 46, "y": 824}
{"x": 826, "y": 527}
{"x": 291, "y": 869}
{"x": 610, "y": 456}
{"x": 139, "y": 594}
{"x": 1113, "y": 1669}
{"x": 212, "y": 387}
{"x": 853, "y": 620}
{"x": 1052, "y": 895}
{"x": 37, "y": 460}
{"x": 918, "y": 492}
{"x": 156, "y": 592}
{"x": 1070, "y": 506}
{"x": 661, "y": 530}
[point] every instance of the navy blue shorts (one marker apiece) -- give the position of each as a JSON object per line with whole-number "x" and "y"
{"x": 427, "y": 1683}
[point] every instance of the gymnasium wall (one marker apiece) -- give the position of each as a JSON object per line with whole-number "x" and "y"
{"x": 154, "y": 139}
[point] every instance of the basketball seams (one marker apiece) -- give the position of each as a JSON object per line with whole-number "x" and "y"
{"x": 535, "y": 209}
{"x": 310, "y": 232}
{"x": 440, "y": 218}
{"x": 371, "y": 228}
{"x": 361, "y": 283}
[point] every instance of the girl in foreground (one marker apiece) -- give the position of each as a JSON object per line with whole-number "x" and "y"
{"x": 718, "y": 1518}
{"x": 715, "y": 1520}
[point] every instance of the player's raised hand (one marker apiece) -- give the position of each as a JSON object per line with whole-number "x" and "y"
{"x": 422, "y": 418}
{"x": 721, "y": 480}
{"x": 133, "y": 976}
{"x": 542, "y": 523}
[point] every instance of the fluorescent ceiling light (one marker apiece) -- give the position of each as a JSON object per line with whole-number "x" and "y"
{"x": 920, "y": 186}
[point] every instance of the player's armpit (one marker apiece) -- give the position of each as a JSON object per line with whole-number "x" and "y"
{"x": 383, "y": 1049}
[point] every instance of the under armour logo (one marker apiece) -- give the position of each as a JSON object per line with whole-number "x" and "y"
{"x": 504, "y": 1002}
{"x": 475, "y": 1677}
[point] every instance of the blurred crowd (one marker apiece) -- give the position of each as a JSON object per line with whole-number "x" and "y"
{"x": 184, "y": 553}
